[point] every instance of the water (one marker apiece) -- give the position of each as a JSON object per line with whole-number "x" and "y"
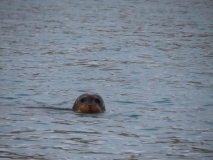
{"x": 151, "y": 61}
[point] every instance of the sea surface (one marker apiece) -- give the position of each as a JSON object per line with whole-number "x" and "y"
{"x": 150, "y": 60}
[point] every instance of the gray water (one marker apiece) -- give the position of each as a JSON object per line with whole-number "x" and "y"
{"x": 151, "y": 61}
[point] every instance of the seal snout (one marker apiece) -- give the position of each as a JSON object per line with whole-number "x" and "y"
{"x": 89, "y": 103}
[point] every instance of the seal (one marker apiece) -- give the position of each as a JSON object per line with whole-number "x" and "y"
{"x": 89, "y": 103}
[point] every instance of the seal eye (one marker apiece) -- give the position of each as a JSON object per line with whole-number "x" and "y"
{"x": 97, "y": 101}
{"x": 83, "y": 100}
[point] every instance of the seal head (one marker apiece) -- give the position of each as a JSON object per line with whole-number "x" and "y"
{"x": 89, "y": 103}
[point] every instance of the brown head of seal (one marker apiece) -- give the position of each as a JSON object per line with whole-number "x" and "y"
{"x": 89, "y": 103}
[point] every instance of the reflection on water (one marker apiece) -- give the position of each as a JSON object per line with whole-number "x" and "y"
{"x": 151, "y": 62}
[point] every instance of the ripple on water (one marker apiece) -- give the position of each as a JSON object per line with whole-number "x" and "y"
{"x": 150, "y": 61}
